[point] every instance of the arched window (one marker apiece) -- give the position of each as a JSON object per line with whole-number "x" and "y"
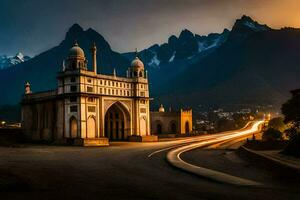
{"x": 74, "y": 65}
{"x": 141, "y": 74}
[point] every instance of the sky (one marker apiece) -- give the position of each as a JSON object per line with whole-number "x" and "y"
{"x": 33, "y": 26}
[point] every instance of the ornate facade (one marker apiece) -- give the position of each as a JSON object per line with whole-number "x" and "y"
{"x": 89, "y": 108}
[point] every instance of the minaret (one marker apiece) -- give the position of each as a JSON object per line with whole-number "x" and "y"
{"x": 27, "y": 88}
{"x": 136, "y": 52}
{"x": 94, "y": 57}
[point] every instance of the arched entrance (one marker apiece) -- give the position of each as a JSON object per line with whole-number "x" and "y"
{"x": 91, "y": 127}
{"x": 187, "y": 127}
{"x": 117, "y": 122}
{"x": 73, "y": 127}
{"x": 173, "y": 127}
{"x": 159, "y": 129}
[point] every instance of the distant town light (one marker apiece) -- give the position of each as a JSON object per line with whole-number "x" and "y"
{"x": 3, "y": 122}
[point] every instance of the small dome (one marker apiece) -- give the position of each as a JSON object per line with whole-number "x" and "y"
{"x": 161, "y": 108}
{"x": 76, "y": 51}
{"x": 137, "y": 63}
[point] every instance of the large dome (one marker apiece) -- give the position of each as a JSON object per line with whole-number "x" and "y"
{"x": 76, "y": 51}
{"x": 137, "y": 63}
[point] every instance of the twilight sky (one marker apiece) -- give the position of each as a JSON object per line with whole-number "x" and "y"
{"x": 33, "y": 26}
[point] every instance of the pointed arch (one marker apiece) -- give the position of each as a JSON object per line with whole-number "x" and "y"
{"x": 158, "y": 127}
{"x": 91, "y": 127}
{"x": 173, "y": 127}
{"x": 117, "y": 121}
{"x": 143, "y": 126}
{"x": 73, "y": 127}
{"x": 119, "y": 104}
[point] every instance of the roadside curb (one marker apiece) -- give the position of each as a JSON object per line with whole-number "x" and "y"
{"x": 270, "y": 159}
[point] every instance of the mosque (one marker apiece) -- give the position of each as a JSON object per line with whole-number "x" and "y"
{"x": 88, "y": 108}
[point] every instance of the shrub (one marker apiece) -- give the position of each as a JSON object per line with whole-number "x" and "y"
{"x": 272, "y": 134}
{"x": 277, "y": 123}
{"x": 293, "y": 147}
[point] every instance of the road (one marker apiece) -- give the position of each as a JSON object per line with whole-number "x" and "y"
{"x": 129, "y": 171}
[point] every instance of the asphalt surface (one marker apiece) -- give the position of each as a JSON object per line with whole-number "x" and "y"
{"x": 121, "y": 171}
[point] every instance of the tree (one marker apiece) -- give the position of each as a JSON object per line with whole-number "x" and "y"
{"x": 293, "y": 148}
{"x": 291, "y": 111}
{"x": 277, "y": 123}
{"x": 272, "y": 134}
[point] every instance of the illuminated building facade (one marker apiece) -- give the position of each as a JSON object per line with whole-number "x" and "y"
{"x": 88, "y": 108}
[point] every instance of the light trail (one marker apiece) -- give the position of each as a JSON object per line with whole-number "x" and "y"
{"x": 183, "y": 142}
{"x": 174, "y": 158}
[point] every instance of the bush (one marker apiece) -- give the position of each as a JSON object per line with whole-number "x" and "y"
{"x": 277, "y": 123}
{"x": 271, "y": 135}
{"x": 293, "y": 147}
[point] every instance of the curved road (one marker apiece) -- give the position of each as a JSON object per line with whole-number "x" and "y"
{"x": 122, "y": 171}
{"x": 175, "y": 160}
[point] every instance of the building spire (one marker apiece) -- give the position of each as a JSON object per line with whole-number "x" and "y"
{"x": 136, "y": 52}
{"x": 114, "y": 72}
{"x": 94, "y": 57}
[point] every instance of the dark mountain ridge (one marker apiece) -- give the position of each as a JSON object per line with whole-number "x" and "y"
{"x": 258, "y": 70}
{"x": 41, "y": 70}
{"x": 252, "y": 64}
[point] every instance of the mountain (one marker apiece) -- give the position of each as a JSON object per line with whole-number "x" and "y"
{"x": 252, "y": 64}
{"x": 256, "y": 65}
{"x": 41, "y": 70}
{"x": 186, "y": 46}
{"x": 8, "y": 61}
{"x": 170, "y": 59}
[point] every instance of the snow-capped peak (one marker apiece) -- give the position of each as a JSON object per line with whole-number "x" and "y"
{"x": 20, "y": 56}
{"x": 8, "y": 61}
{"x": 254, "y": 26}
{"x": 249, "y": 23}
